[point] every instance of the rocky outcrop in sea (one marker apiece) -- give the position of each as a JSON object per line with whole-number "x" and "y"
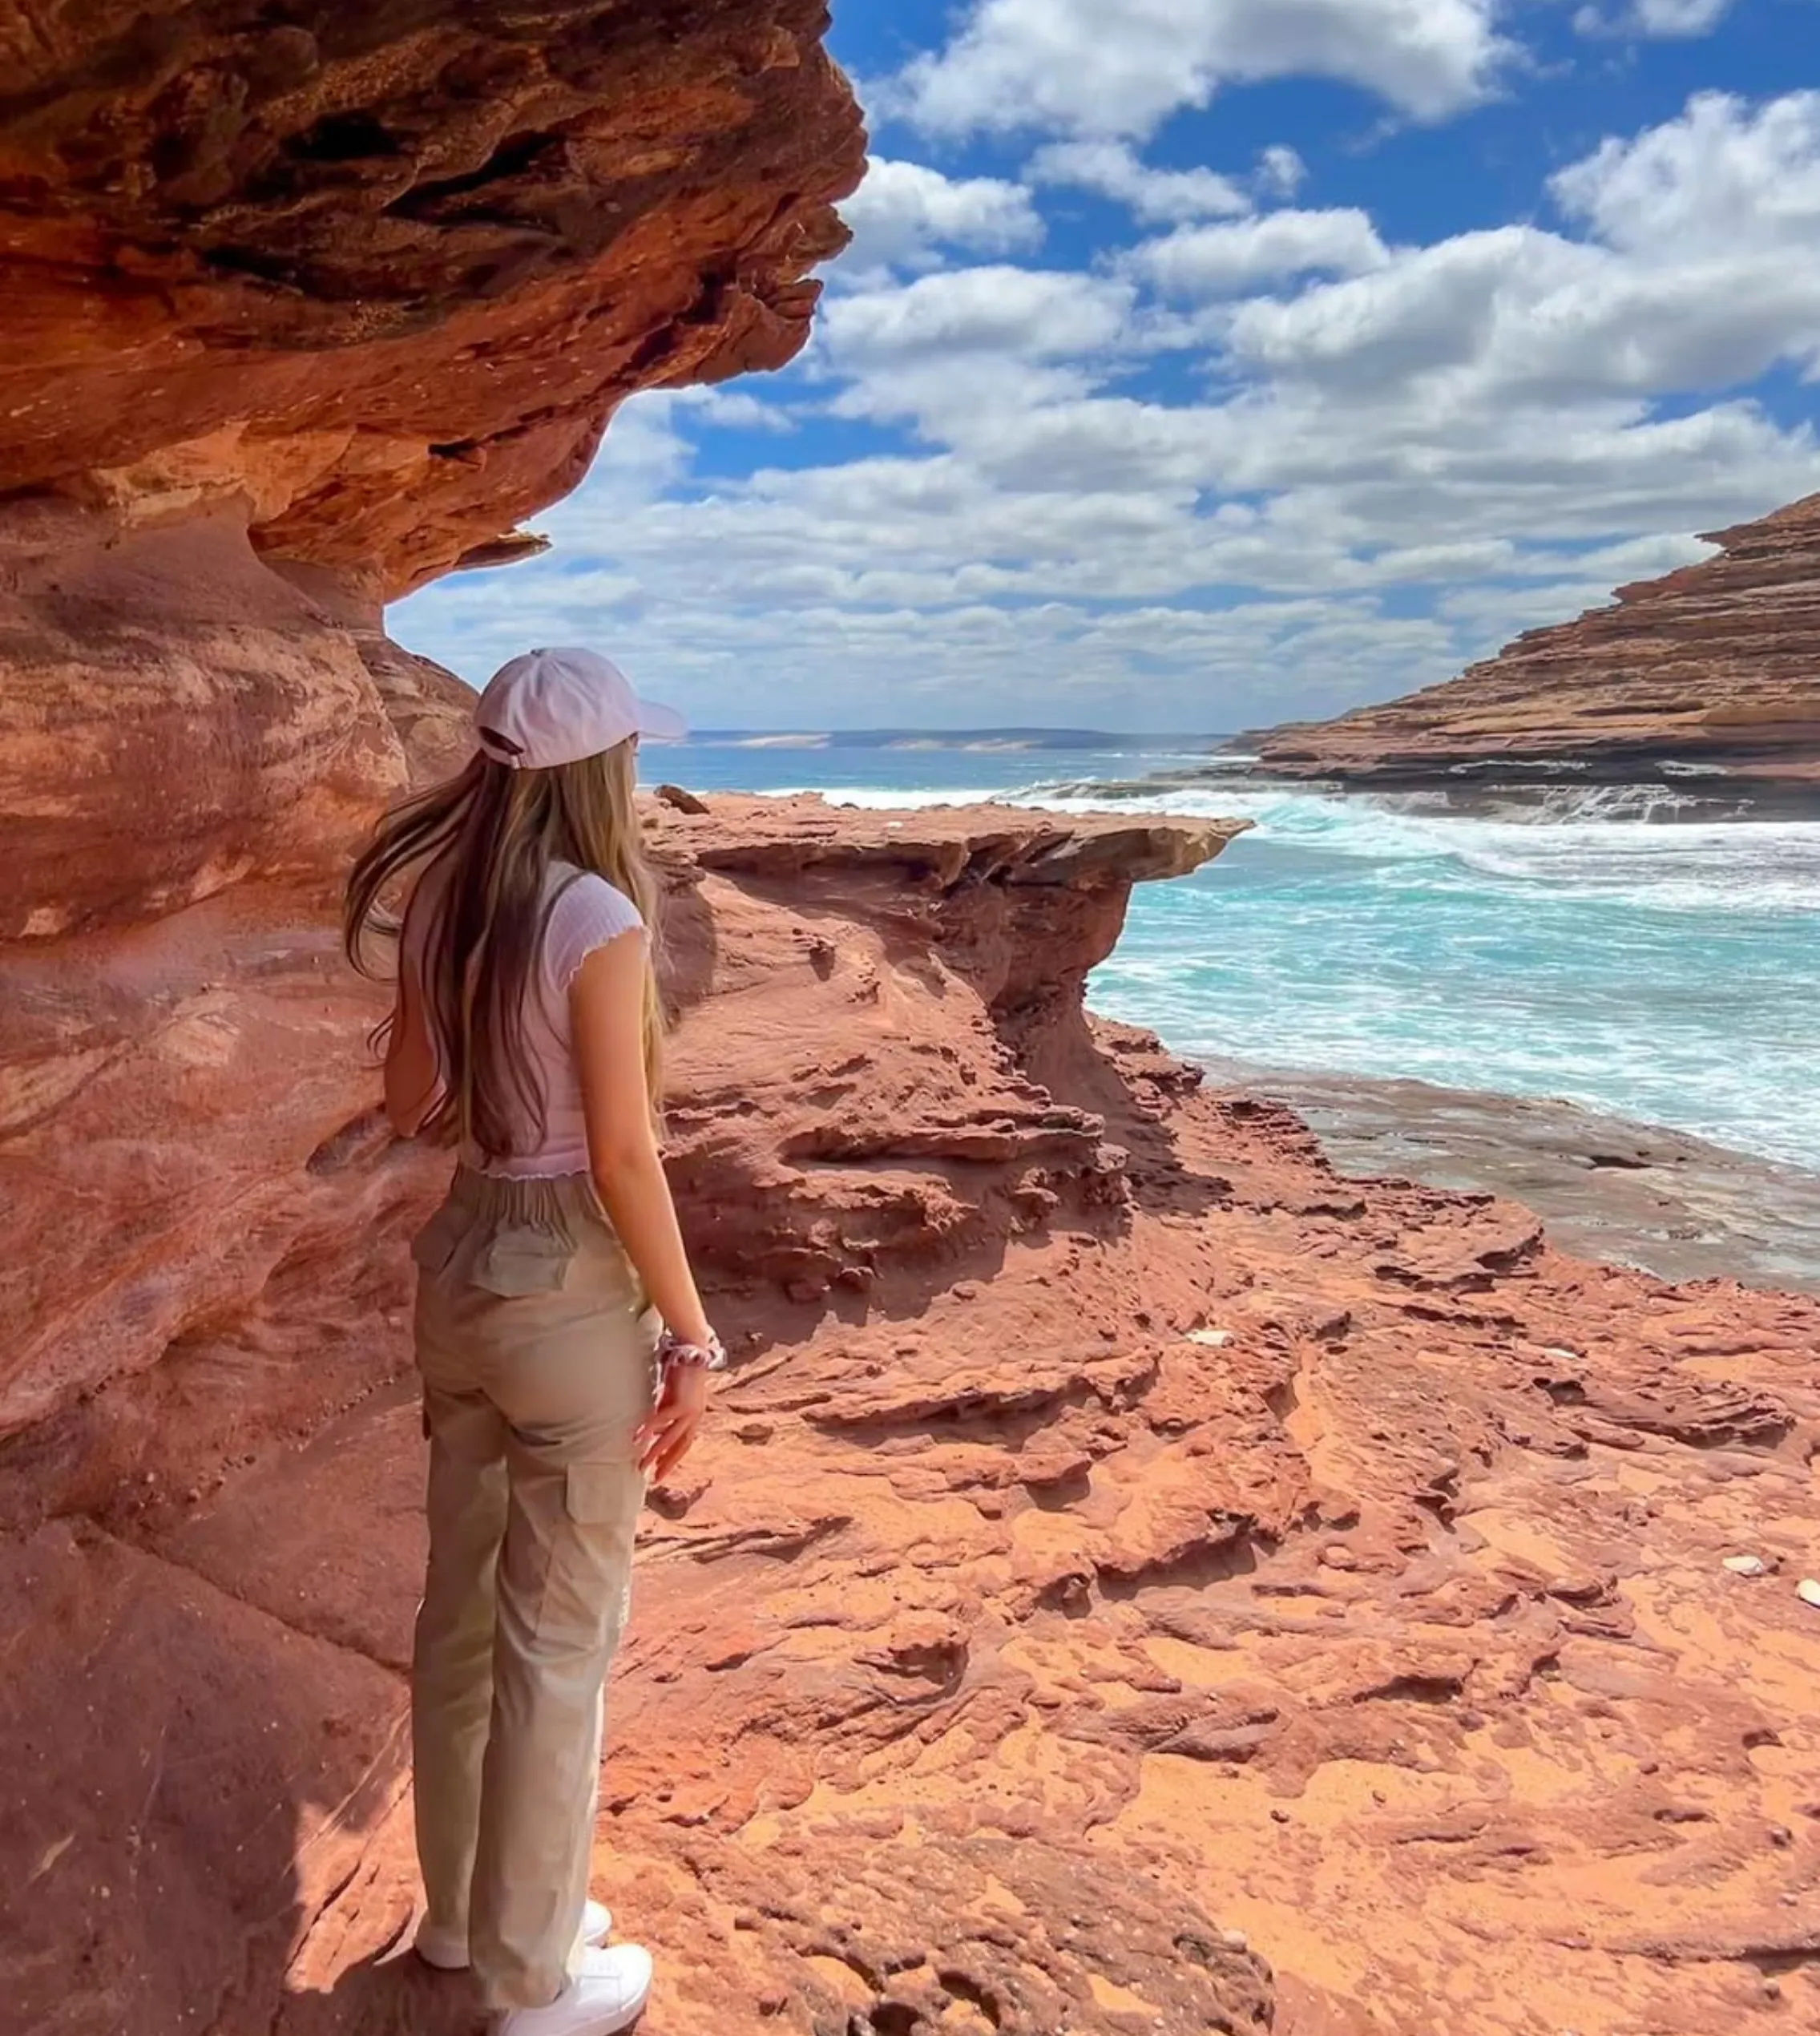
{"x": 1712, "y": 672}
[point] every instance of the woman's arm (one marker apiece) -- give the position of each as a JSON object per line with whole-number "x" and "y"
{"x": 606, "y": 1006}
{"x": 411, "y": 1079}
{"x": 606, "y": 1016}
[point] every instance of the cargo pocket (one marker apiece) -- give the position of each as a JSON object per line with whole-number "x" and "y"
{"x": 603, "y": 1273}
{"x": 600, "y": 1493}
{"x": 519, "y": 1260}
{"x": 587, "y": 1587}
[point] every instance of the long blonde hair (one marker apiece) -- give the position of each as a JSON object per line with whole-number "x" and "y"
{"x": 498, "y": 830}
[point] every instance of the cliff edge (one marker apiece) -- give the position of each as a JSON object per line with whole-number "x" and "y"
{"x": 1712, "y": 669}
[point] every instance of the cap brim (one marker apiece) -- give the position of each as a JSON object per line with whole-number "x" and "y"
{"x": 661, "y": 723}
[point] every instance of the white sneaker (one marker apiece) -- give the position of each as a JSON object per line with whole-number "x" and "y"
{"x": 607, "y": 1995}
{"x": 449, "y": 1953}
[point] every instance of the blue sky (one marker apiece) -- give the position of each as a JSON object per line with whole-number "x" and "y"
{"x": 1203, "y": 363}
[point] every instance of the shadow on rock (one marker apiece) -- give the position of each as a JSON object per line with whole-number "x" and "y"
{"x": 393, "y": 1993}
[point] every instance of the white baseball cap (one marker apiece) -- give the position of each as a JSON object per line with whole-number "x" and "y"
{"x": 550, "y": 707}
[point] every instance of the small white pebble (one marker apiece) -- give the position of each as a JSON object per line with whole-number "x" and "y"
{"x": 1214, "y": 1339}
{"x": 1747, "y": 1565}
{"x": 1808, "y": 1591}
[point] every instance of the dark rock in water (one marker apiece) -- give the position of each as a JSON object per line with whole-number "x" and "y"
{"x": 1637, "y": 1194}
{"x": 679, "y": 801}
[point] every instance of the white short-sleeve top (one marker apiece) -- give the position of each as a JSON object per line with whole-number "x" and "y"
{"x": 587, "y": 912}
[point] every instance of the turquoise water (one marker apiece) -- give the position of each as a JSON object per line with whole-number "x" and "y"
{"x": 1666, "y": 971}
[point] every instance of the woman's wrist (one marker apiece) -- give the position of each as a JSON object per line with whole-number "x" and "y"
{"x": 705, "y": 1350}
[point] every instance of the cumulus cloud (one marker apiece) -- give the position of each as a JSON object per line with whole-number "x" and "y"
{"x": 1121, "y": 67}
{"x": 1723, "y": 179}
{"x": 1662, "y": 19}
{"x": 1281, "y": 171}
{"x": 1428, "y": 309}
{"x": 738, "y": 409}
{"x": 1696, "y": 276}
{"x": 1019, "y": 314}
{"x": 1113, "y": 170}
{"x": 1217, "y": 261}
{"x": 904, "y": 214}
{"x": 970, "y": 342}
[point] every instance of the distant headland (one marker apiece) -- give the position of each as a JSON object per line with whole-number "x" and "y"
{"x": 983, "y": 739}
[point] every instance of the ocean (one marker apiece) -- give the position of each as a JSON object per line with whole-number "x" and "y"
{"x": 1590, "y": 948}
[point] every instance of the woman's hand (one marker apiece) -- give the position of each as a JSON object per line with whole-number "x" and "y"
{"x": 667, "y": 1436}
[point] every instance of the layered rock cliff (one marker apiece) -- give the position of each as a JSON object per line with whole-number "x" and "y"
{"x": 373, "y": 277}
{"x": 1716, "y": 666}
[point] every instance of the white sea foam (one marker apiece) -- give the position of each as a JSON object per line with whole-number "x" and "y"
{"x": 1598, "y": 841}
{"x": 1613, "y": 842}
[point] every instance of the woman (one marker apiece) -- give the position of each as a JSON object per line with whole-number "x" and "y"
{"x": 564, "y": 1354}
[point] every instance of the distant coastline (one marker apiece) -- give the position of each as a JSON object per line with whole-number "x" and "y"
{"x": 1008, "y": 741}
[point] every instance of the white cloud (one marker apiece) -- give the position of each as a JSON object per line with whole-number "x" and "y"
{"x": 1019, "y": 315}
{"x": 1679, "y": 16}
{"x": 738, "y": 409}
{"x": 1427, "y": 309}
{"x": 1214, "y": 261}
{"x": 1698, "y": 276}
{"x": 1121, "y": 67}
{"x": 1281, "y": 171}
{"x": 1723, "y": 179}
{"x": 970, "y": 341}
{"x": 904, "y": 213}
{"x": 1661, "y": 19}
{"x": 1112, "y": 169}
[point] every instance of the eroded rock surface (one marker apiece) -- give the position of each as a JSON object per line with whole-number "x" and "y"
{"x": 1136, "y": 1578}
{"x": 377, "y": 275}
{"x": 1718, "y": 664}
{"x": 1608, "y": 1186}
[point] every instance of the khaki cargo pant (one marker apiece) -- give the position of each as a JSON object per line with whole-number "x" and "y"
{"x": 539, "y": 1359}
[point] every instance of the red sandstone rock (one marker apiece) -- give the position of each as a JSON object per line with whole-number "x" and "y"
{"x": 375, "y": 276}
{"x": 1718, "y": 663}
{"x": 1165, "y": 1538}
{"x": 302, "y": 308}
